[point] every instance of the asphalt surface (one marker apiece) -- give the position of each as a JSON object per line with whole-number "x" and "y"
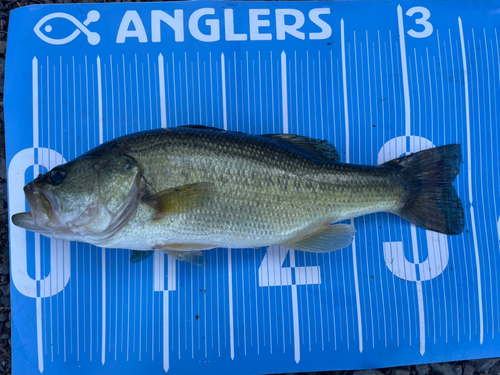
{"x": 483, "y": 366}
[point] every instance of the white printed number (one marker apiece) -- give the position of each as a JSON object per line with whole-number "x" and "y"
{"x": 272, "y": 272}
{"x": 427, "y": 31}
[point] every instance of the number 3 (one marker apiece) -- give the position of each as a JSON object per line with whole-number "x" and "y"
{"x": 421, "y": 21}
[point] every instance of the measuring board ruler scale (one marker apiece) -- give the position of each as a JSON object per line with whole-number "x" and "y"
{"x": 377, "y": 79}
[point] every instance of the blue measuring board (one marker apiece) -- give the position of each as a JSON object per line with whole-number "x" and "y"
{"x": 378, "y": 79}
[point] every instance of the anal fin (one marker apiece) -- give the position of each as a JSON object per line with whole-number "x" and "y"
{"x": 329, "y": 238}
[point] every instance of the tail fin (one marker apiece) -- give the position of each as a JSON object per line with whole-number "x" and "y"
{"x": 430, "y": 201}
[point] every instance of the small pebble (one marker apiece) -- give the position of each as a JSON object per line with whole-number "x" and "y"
{"x": 422, "y": 369}
{"x": 367, "y": 372}
{"x": 4, "y": 268}
{"x": 5, "y": 289}
{"x": 457, "y": 368}
{"x": 442, "y": 369}
{"x": 469, "y": 369}
{"x": 495, "y": 369}
{"x": 484, "y": 365}
{"x": 5, "y": 301}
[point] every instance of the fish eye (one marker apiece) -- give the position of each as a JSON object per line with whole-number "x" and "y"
{"x": 57, "y": 175}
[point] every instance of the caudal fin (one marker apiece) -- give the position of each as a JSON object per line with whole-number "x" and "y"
{"x": 431, "y": 201}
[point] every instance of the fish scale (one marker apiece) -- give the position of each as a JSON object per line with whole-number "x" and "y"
{"x": 264, "y": 191}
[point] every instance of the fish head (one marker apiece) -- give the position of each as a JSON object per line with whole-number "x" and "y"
{"x": 85, "y": 200}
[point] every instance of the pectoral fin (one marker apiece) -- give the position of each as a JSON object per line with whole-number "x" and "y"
{"x": 178, "y": 199}
{"x": 195, "y": 257}
{"x": 330, "y": 238}
{"x": 138, "y": 256}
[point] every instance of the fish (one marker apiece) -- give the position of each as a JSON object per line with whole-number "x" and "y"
{"x": 192, "y": 188}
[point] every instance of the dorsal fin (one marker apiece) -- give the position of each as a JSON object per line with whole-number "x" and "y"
{"x": 201, "y": 127}
{"x": 321, "y": 148}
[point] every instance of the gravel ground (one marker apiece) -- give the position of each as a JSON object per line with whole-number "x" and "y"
{"x": 482, "y": 367}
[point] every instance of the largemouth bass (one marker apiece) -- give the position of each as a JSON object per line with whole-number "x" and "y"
{"x": 193, "y": 188}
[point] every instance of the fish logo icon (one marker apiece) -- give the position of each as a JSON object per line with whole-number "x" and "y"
{"x": 92, "y": 37}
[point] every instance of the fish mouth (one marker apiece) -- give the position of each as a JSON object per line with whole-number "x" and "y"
{"x": 26, "y": 221}
{"x": 41, "y": 212}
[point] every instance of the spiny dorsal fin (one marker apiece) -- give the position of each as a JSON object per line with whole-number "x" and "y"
{"x": 330, "y": 238}
{"x": 203, "y": 127}
{"x": 320, "y": 148}
{"x": 178, "y": 199}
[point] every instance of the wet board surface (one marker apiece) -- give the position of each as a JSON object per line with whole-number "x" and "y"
{"x": 377, "y": 79}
